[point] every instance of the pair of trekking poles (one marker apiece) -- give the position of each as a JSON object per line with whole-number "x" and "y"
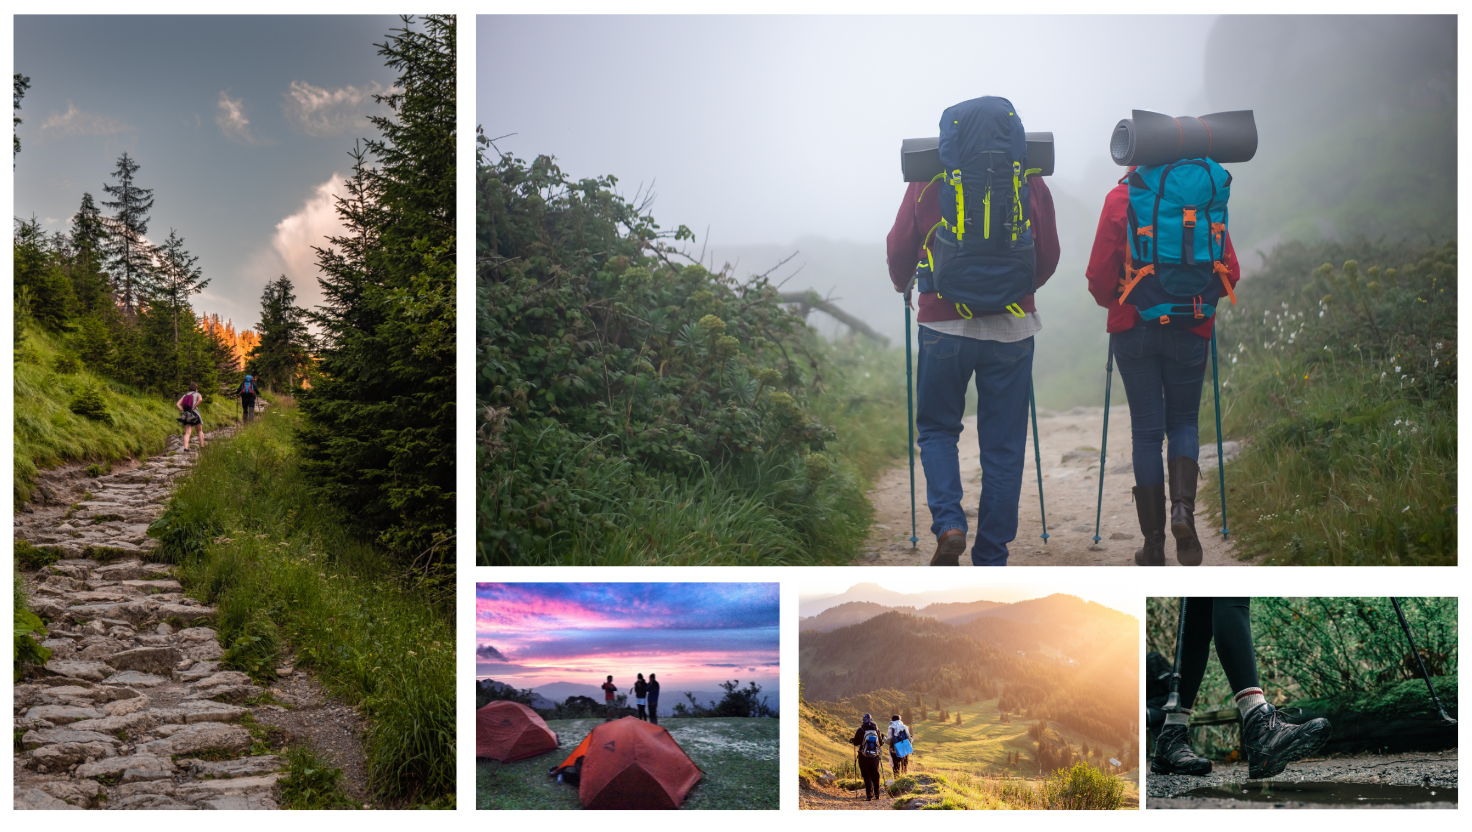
{"x": 1037, "y": 452}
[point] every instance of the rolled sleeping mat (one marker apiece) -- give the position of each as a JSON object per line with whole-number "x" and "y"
{"x": 920, "y": 158}
{"x": 1154, "y": 139}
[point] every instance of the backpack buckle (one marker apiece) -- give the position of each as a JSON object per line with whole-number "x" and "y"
{"x": 1188, "y": 217}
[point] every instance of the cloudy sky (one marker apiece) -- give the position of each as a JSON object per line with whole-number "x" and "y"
{"x": 241, "y": 125}
{"x": 770, "y": 128}
{"x": 692, "y": 635}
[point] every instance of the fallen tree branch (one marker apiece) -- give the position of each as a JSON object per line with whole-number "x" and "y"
{"x": 811, "y": 300}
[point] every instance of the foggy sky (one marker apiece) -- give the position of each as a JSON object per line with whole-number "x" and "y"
{"x": 767, "y": 128}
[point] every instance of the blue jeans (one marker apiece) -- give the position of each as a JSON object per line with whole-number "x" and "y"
{"x": 1003, "y": 377}
{"x": 1162, "y": 369}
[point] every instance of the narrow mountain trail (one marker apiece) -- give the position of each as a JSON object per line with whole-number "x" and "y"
{"x": 133, "y": 710}
{"x": 1070, "y": 455}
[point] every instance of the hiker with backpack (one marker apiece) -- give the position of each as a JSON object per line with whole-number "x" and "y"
{"x": 1161, "y": 262}
{"x": 900, "y": 745}
{"x": 868, "y": 745}
{"x": 1270, "y": 740}
{"x": 641, "y": 691}
{"x": 188, "y": 405}
{"x": 247, "y": 392}
{"x": 609, "y": 689}
{"x": 653, "y": 700}
{"x": 985, "y": 237}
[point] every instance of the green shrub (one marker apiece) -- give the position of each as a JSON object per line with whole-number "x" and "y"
{"x": 31, "y": 558}
{"x": 255, "y": 648}
{"x": 88, "y": 402}
{"x": 1081, "y": 787}
{"x": 310, "y": 783}
{"x": 66, "y": 365}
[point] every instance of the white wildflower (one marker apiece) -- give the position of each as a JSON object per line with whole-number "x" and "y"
{"x": 1406, "y": 509}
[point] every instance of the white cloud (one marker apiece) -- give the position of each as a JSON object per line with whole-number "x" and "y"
{"x": 233, "y": 122}
{"x": 290, "y": 252}
{"x": 76, "y": 122}
{"x": 52, "y": 221}
{"x": 318, "y": 111}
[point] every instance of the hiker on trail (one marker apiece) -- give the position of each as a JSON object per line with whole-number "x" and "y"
{"x": 609, "y": 689}
{"x": 1271, "y": 742}
{"x": 957, "y": 343}
{"x": 868, "y": 743}
{"x": 188, "y": 405}
{"x": 1163, "y": 368}
{"x": 641, "y": 692}
{"x": 247, "y": 392}
{"x": 653, "y": 700}
{"x": 899, "y": 740}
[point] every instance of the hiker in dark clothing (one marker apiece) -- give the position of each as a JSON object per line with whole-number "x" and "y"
{"x": 1271, "y": 742}
{"x": 868, "y": 742}
{"x": 653, "y": 700}
{"x": 641, "y": 690}
{"x": 609, "y": 689}
{"x": 247, "y": 393}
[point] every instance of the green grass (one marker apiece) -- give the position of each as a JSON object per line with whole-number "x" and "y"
{"x": 286, "y": 569}
{"x": 739, "y": 758}
{"x": 47, "y": 432}
{"x": 311, "y": 784}
{"x": 1348, "y": 407}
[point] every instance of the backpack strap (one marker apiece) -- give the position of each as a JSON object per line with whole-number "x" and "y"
{"x": 1221, "y": 269}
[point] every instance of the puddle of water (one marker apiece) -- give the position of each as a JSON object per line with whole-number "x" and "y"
{"x": 1327, "y": 792}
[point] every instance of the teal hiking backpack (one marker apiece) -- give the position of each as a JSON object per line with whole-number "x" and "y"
{"x": 1176, "y": 263}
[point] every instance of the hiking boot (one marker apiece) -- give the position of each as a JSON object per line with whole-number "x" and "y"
{"x": 1183, "y": 474}
{"x": 1150, "y": 507}
{"x": 948, "y": 548}
{"x": 1173, "y": 754}
{"x": 1272, "y": 742}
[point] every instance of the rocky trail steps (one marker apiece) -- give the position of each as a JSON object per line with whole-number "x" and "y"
{"x": 133, "y": 709}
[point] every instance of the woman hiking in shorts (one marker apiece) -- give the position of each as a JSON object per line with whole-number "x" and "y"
{"x": 1163, "y": 369}
{"x": 188, "y": 405}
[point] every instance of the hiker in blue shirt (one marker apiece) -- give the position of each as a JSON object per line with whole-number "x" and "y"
{"x": 247, "y": 393}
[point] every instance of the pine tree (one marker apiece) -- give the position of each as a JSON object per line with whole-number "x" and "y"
{"x": 178, "y": 279}
{"x": 21, "y": 83}
{"x": 131, "y": 255}
{"x": 284, "y": 352}
{"x": 88, "y": 241}
{"x": 378, "y": 438}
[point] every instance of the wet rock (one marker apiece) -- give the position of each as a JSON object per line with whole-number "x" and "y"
{"x": 62, "y": 714}
{"x": 90, "y": 671}
{"x": 37, "y": 799}
{"x": 51, "y": 736}
{"x": 205, "y": 736}
{"x": 230, "y": 769}
{"x": 152, "y": 659}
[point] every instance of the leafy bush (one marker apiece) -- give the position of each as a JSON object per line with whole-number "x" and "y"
{"x": 88, "y": 402}
{"x": 255, "y": 649}
{"x": 310, "y": 783}
{"x": 66, "y": 365}
{"x": 1342, "y": 380}
{"x": 1081, "y": 787}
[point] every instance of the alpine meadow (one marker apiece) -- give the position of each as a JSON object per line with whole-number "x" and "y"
{"x": 259, "y": 616}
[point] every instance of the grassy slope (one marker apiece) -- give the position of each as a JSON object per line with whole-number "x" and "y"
{"x": 739, "y": 758}
{"x": 280, "y": 564}
{"x": 47, "y": 433}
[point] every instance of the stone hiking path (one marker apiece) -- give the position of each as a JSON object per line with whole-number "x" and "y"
{"x": 133, "y": 710}
{"x": 1070, "y": 452}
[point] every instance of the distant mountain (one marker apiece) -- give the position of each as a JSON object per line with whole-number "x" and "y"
{"x": 876, "y": 594}
{"x": 845, "y": 614}
{"x": 538, "y": 702}
{"x": 669, "y": 697}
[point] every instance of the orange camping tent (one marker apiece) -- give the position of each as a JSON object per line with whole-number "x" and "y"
{"x": 631, "y": 764}
{"x": 509, "y": 731}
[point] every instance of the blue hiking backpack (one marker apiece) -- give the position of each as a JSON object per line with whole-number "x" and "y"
{"x": 982, "y": 258}
{"x": 869, "y": 746}
{"x": 1175, "y": 267}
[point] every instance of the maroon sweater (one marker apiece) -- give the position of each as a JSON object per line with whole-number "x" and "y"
{"x": 918, "y": 214}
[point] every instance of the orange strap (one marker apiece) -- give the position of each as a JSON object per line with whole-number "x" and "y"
{"x": 1147, "y": 231}
{"x": 1148, "y": 268}
{"x": 1217, "y": 228}
{"x": 1221, "y": 268}
{"x": 1188, "y": 217}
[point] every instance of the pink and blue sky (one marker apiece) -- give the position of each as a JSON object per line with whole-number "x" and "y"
{"x": 694, "y": 636}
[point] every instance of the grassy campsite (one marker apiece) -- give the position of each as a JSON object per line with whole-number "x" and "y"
{"x": 739, "y": 758}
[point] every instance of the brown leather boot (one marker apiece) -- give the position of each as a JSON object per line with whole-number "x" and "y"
{"x": 948, "y": 548}
{"x": 1183, "y": 474}
{"x": 1150, "y": 507}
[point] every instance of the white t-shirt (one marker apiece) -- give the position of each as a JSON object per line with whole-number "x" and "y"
{"x": 895, "y": 727}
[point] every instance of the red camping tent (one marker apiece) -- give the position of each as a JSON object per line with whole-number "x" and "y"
{"x": 631, "y": 764}
{"x": 509, "y": 731}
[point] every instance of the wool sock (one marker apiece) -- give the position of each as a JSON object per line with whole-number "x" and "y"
{"x": 1248, "y": 699}
{"x": 1178, "y": 718}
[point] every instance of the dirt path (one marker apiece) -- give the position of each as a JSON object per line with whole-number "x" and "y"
{"x": 1412, "y": 781}
{"x": 832, "y": 797}
{"x": 133, "y": 710}
{"x": 1070, "y": 453}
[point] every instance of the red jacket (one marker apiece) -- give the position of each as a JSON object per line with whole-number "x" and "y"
{"x": 919, "y": 214}
{"x": 1106, "y": 264}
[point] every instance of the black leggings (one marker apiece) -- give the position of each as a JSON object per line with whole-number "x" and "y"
{"x": 1226, "y": 621}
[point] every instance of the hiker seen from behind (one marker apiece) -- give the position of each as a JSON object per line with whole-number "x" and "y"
{"x": 247, "y": 392}
{"x": 188, "y": 405}
{"x": 868, "y": 745}
{"x": 901, "y": 745}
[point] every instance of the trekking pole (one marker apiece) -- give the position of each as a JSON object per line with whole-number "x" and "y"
{"x": 1406, "y": 628}
{"x": 1173, "y": 701}
{"x": 910, "y": 419}
{"x": 1037, "y": 456}
{"x": 1104, "y": 442}
{"x": 1221, "y": 463}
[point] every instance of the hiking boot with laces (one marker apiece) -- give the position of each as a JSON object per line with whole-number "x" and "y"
{"x": 1173, "y": 754}
{"x": 1150, "y": 508}
{"x": 949, "y": 548}
{"x": 1183, "y": 475}
{"x": 1272, "y": 742}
